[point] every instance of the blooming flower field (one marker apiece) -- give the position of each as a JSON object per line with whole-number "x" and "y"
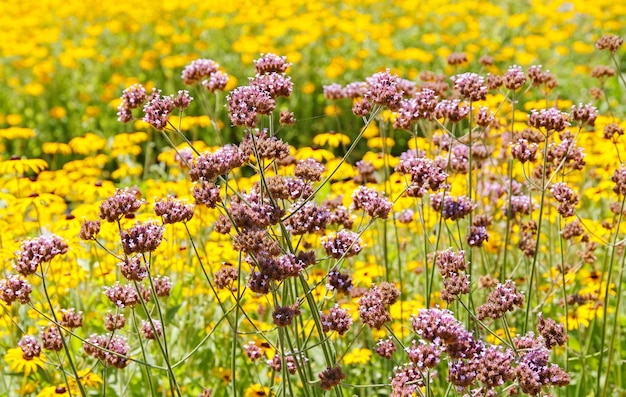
{"x": 312, "y": 198}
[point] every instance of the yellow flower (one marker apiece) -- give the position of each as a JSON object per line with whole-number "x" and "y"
{"x": 357, "y": 356}
{"x": 56, "y": 148}
{"x": 54, "y": 391}
{"x": 379, "y": 142}
{"x": 17, "y": 363}
{"x": 58, "y": 112}
{"x": 331, "y": 138}
{"x": 87, "y": 378}
{"x": 257, "y": 390}
{"x": 320, "y": 155}
{"x": 14, "y": 119}
{"x": 17, "y": 133}
{"x": 20, "y": 166}
{"x": 87, "y": 144}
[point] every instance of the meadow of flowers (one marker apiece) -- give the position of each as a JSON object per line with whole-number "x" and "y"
{"x": 312, "y": 198}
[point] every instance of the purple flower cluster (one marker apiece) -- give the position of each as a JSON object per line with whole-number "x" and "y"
{"x": 331, "y": 377}
{"x": 246, "y": 103}
{"x": 452, "y": 110}
{"x": 420, "y": 106}
{"x": 207, "y": 72}
{"x": 337, "y": 281}
{"x": 132, "y": 268}
{"x": 425, "y": 174}
{"x": 132, "y": 97}
{"x": 424, "y": 355}
{"x": 309, "y": 170}
{"x": 71, "y": 319}
{"x": 450, "y": 207}
{"x": 271, "y": 63}
{"x": 30, "y": 347}
{"x": 38, "y": 250}
{"x": 283, "y": 315}
{"x": 125, "y": 202}
{"x": 158, "y": 108}
{"x": 198, "y": 70}
{"x": 452, "y": 267}
{"x": 89, "y": 230}
{"x": 114, "y": 321}
{"x": 566, "y": 198}
{"x": 123, "y": 295}
{"x": 471, "y": 86}
{"x": 262, "y": 146}
{"x": 142, "y": 237}
{"x": 344, "y": 243}
{"x": 384, "y": 89}
{"x": 206, "y": 193}
{"x": 173, "y": 211}
{"x": 337, "y": 319}
{"x": 209, "y": 166}
{"x": 550, "y": 119}
{"x": 533, "y": 371}
{"x": 524, "y": 151}
{"x": 585, "y": 114}
{"x": 151, "y": 329}
{"x": 13, "y": 288}
{"x": 372, "y": 202}
{"x": 514, "y": 78}
{"x": 253, "y": 351}
{"x": 619, "y": 179}
{"x": 407, "y": 380}
{"x": 372, "y": 310}
{"x": 112, "y": 350}
{"x": 503, "y": 299}
{"x": 385, "y": 348}
{"x": 51, "y": 339}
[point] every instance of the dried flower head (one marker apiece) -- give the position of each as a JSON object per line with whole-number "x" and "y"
{"x": 553, "y": 333}
{"x": 609, "y": 42}
{"x": 89, "y": 230}
{"x": 331, "y": 377}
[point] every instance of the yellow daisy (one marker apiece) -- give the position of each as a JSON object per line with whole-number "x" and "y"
{"x": 17, "y": 362}
{"x": 331, "y": 138}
